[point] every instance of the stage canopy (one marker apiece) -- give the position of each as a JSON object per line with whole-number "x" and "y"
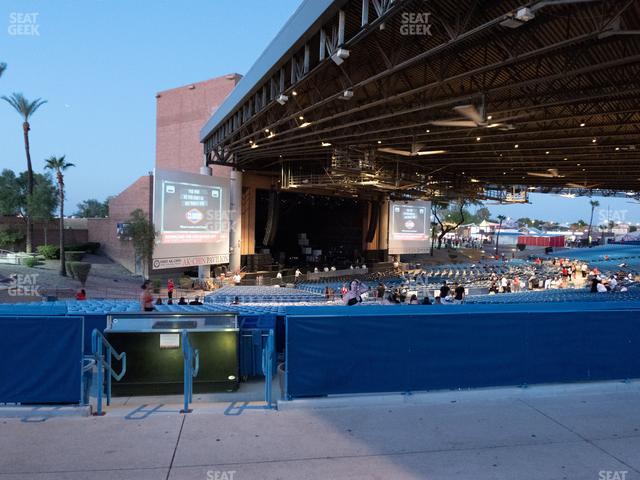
{"x": 439, "y": 99}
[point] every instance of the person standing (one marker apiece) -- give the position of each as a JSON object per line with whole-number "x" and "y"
{"x": 237, "y": 279}
{"x": 146, "y": 299}
{"x": 459, "y": 293}
{"x": 170, "y": 288}
{"x": 444, "y": 290}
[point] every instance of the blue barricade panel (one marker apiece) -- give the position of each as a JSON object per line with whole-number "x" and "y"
{"x": 414, "y": 348}
{"x": 42, "y": 359}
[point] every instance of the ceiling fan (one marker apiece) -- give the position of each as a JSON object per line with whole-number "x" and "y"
{"x": 416, "y": 150}
{"x": 476, "y": 118}
{"x": 550, "y": 173}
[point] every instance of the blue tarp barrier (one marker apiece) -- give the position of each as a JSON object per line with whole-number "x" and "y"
{"x": 415, "y": 348}
{"x": 42, "y": 359}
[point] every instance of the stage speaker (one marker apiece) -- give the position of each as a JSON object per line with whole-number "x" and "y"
{"x": 373, "y": 221}
{"x": 273, "y": 215}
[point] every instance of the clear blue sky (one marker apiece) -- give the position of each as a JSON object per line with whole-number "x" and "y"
{"x": 99, "y": 64}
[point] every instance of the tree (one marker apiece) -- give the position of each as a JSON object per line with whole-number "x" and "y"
{"x": 524, "y": 222}
{"x": 15, "y": 201}
{"x": 14, "y": 198}
{"x": 449, "y": 217}
{"x": 501, "y": 218}
{"x": 93, "y": 208}
{"x": 59, "y": 165}
{"x": 142, "y": 235}
{"x": 482, "y": 214}
{"x": 594, "y": 204}
{"x": 633, "y": 228}
{"x": 26, "y": 109}
{"x": 3, "y": 67}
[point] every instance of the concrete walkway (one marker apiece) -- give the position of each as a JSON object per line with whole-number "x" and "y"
{"x": 582, "y": 432}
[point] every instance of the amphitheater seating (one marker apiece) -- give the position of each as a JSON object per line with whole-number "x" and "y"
{"x": 248, "y": 294}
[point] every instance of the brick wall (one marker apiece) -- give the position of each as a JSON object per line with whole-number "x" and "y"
{"x": 180, "y": 114}
{"x": 103, "y": 230}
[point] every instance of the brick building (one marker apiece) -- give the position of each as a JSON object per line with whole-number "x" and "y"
{"x": 180, "y": 114}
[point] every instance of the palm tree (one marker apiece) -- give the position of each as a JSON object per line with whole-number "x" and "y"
{"x": 26, "y": 109}
{"x": 3, "y": 67}
{"x": 59, "y": 165}
{"x": 594, "y": 204}
{"x": 501, "y": 218}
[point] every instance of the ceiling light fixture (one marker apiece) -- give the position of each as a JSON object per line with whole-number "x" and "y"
{"x": 305, "y": 124}
{"x": 340, "y": 56}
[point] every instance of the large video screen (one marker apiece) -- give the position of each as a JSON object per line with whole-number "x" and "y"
{"x": 409, "y": 227}
{"x": 190, "y": 214}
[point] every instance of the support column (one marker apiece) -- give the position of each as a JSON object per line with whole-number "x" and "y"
{"x": 204, "y": 271}
{"x": 383, "y": 227}
{"x": 235, "y": 220}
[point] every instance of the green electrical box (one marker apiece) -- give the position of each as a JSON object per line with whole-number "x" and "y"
{"x": 155, "y": 360}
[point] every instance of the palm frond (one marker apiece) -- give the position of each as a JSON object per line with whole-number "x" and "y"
{"x": 3, "y": 67}
{"x": 57, "y": 163}
{"x": 23, "y": 106}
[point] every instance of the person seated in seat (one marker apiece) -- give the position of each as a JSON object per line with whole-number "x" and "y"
{"x": 413, "y": 300}
{"x": 195, "y": 301}
{"x": 81, "y": 295}
{"x": 182, "y": 301}
{"x": 236, "y": 300}
{"x": 159, "y": 301}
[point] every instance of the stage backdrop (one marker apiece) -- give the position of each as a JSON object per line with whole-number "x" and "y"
{"x": 409, "y": 227}
{"x": 191, "y": 218}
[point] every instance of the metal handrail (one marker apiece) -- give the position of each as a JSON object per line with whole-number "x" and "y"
{"x": 268, "y": 353}
{"x": 191, "y": 358}
{"x": 103, "y": 361}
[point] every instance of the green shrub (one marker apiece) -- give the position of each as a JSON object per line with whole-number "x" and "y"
{"x": 49, "y": 252}
{"x": 88, "y": 247}
{"x": 30, "y": 261}
{"x": 10, "y": 238}
{"x": 69, "y": 266}
{"x": 73, "y": 256}
{"x": 185, "y": 282}
{"x": 81, "y": 271}
{"x": 92, "y": 247}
